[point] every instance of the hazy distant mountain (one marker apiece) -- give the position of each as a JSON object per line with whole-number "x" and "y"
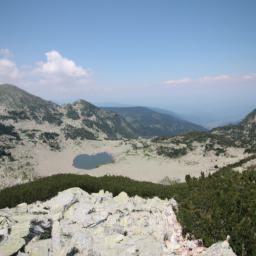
{"x": 212, "y": 119}
{"x": 167, "y": 112}
{"x": 147, "y": 122}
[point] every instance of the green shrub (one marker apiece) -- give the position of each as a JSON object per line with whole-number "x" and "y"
{"x": 47, "y": 136}
{"x": 73, "y": 133}
{"x": 51, "y": 138}
{"x": 72, "y": 113}
{"x": 18, "y": 115}
{"x": 171, "y": 152}
{"x": 221, "y": 204}
{"x": 52, "y": 117}
{"x": 4, "y": 152}
{"x": 8, "y": 130}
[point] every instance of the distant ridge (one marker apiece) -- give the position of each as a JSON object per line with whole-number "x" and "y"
{"x": 147, "y": 122}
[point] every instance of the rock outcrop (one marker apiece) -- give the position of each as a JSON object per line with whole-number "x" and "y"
{"x": 77, "y": 223}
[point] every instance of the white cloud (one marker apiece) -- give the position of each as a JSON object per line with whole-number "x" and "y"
{"x": 56, "y": 77}
{"x": 250, "y": 76}
{"x": 8, "y": 71}
{"x": 56, "y": 64}
{"x": 215, "y": 78}
{"x": 179, "y": 81}
{"x": 5, "y": 53}
{"x": 60, "y": 75}
{"x": 218, "y": 79}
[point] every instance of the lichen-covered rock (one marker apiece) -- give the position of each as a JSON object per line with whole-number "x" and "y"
{"x": 38, "y": 247}
{"x": 77, "y": 223}
{"x": 12, "y": 233}
{"x": 220, "y": 249}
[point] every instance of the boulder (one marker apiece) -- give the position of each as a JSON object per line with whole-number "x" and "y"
{"x": 77, "y": 223}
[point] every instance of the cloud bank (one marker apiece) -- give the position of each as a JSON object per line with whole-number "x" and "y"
{"x": 218, "y": 79}
{"x": 8, "y": 70}
{"x": 57, "y": 74}
{"x": 5, "y": 53}
{"x": 61, "y": 79}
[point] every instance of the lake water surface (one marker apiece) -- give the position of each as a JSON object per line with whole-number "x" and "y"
{"x": 87, "y": 162}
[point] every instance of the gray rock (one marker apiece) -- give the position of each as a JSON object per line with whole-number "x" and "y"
{"x": 76, "y": 223}
{"x": 219, "y": 249}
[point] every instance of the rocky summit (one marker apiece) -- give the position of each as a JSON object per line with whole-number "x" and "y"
{"x": 77, "y": 223}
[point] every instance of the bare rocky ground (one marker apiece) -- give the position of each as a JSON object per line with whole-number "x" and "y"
{"x": 77, "y": 223}
{"x": 138, "y": 159}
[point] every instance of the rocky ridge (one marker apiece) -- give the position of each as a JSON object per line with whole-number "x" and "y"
{"x": 78, "y": 120}
{"x": 77, "y": 223}
{"x": 242, "y": 134}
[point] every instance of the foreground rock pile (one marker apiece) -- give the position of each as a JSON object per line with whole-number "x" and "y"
{"x": 77, "y": 223}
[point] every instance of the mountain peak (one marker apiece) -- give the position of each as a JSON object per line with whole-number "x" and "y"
{"x": 17, "y": 104}
{"x": 13, "y": 97}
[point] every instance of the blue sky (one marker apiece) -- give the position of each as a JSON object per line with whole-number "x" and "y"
{"x": 187, "y": 56}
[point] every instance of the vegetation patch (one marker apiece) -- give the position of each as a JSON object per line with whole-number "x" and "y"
{"x": 4, "y": 152}
{"x": 8, "y": 130}
{"x": 15, "y": 115}
{"x": 171, "y": 152}
{"x": 51, "y": 138}
{"x": 89, "y": 123}
{"x": 72, "y": 113}
{"x": 53, "y": 117}
{"x": 74, "y": 133}
{"x": 243, "y": 134}
{"x": 30, "y": 134}
{"x": 200, "y": 137}
{"x": 212, "y": 147}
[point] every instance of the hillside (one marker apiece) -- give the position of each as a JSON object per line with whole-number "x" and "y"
{"x": 243, "y": 133}
{"x": 221, "y": 141}
{"x": 80, "y": 119}
{"x": 97, "y": 121}
{"x": 30, "y": 125}
{"x": 148, "y": 123}
{"x": 17, "y": 105}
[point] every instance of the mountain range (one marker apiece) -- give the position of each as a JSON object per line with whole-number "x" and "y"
{"x": 85, "y": 120}
{"x": 34, "y": 131}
